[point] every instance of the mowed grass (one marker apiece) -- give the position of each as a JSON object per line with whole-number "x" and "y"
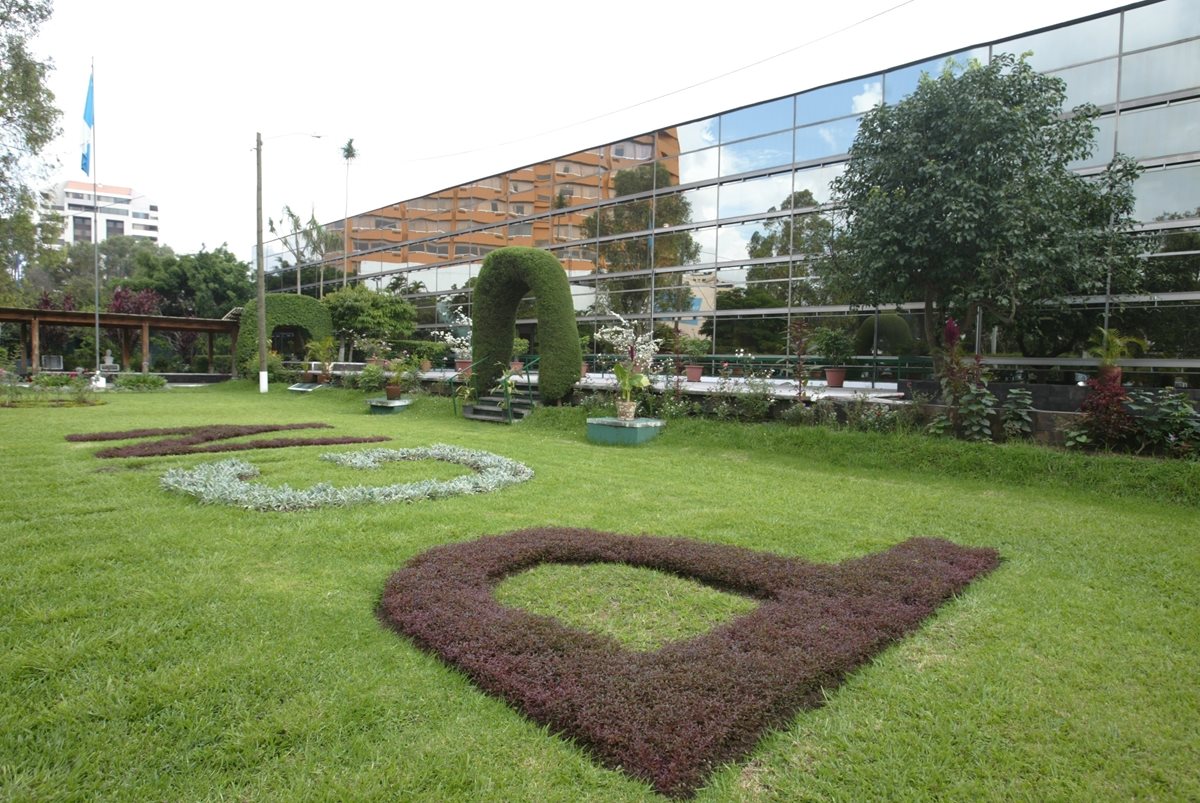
{"x": 155, "y": 648}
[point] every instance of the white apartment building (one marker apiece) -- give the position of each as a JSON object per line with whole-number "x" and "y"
{"x": 120, "y": 212}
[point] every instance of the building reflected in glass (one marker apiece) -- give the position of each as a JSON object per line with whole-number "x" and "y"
{"x": 710, "y": 226}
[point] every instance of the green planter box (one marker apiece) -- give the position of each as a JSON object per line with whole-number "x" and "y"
{"x": 616, "y": 431}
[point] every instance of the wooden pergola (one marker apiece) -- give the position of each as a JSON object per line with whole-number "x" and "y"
{"x": 31, "y": 321}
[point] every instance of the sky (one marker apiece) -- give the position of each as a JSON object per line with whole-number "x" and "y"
{"x": 436, "y": 94}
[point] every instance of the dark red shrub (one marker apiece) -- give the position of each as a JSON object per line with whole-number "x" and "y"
{"x": 1105, "y": 417}
{"x": 194, "y": 437}
{"x": 670, "y": 716}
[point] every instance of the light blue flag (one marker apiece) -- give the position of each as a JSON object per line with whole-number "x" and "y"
{"x": 89, "y": 120}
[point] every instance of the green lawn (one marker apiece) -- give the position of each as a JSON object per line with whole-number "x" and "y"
{"x": 155, "y": 648}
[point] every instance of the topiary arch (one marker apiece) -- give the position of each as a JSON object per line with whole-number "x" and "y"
{"x": 303, "y": 312}
{"x": 508, "y": 274}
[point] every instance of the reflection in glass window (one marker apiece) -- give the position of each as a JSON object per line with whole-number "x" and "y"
{"x": 1102, "y": 152}
{"x": 826, "y": 139}
{"x": 520, "y": 230}
{"x": 698, "y": 205}
{"x": 1164, "y": 131}
{"x": 755, "y": 196}
{"x": 1061, "y": 47}
{"x": 897, "y": 84}
{"x": 761, "y": 119}
{"x": 1157, "y": 72}
{"x": 1173, "y": 191}
{"x": 676, "y": 248}
{"x": 756, "y": 154}
{"x": 699, "y": 134}
{"x": 618, "y": 256}
{"x": 1090, "y": 83}
{"x": 734, "y": 241}
{"x": 839, "y": 100}
{"x": 816, "y": 181}
{"x": 706, "y": 242}
{"x": 1161, "y": 23}
{"x": 698, "y": 166}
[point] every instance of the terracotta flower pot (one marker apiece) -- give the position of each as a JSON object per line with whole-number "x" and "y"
{"x": 393, "y": 392}
{"x": 1110, "y": 374}
{"x": 463, "y": 367}
{"x": 694, "y": 372}
{"x": 516, "y": 365}
{"x": 835, "y": 377}
{"x": 426, "y": 365}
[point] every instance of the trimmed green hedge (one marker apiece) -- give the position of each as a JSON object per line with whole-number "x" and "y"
{"x": 508, "y": 274}
{"x": 422, "y": 349}
{"x": 304, "y": 312}
{"x": 894, "y": 335}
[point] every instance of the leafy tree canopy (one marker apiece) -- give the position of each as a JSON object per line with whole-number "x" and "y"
{"x": 359, "y": 312}
{"x": 961, "y": 196}
{"x": 28, "y": 123}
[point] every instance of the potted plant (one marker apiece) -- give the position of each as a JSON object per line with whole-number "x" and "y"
{"x": 404, "y": 377}
{"x": 628, "y": 378}
{"x": 520, "y": 347}
{"x": 696, "y": 349}
{"x": 1108, "y": 346}
{"x": 836, "y": 347}
{"x": 323, "y": 351}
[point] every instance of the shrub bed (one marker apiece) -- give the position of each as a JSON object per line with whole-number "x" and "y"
{"x": 195, "y": 437}
{"x": 671, "y": 716}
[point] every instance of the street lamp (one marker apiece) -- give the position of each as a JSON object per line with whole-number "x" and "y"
{"x": 259, "y": 260}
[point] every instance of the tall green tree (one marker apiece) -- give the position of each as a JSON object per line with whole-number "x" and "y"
{"x": 961, "y": 196}
{"x": 28, "y": 123}
{"x": 358, "y": 312}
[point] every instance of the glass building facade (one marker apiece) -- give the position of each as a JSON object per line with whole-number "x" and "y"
{"x": 711, "y": 226}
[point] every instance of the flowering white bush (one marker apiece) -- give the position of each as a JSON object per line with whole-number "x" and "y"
{"x": 227, "y": 482}
{"x": 638, "y": 349}
{"x": 460, "y": 346}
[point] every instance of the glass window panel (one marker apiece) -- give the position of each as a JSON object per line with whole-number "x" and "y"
{"x": 1174, "y": 191}
{"x": 699, "y": 134}
{"x": 1160, "y": 23}
{"x": 666, "y": 172}
{"x": 633, "y": 180}
{"x": 816, "y": 181}
{"x": 674, "y": 292}
{"x": 741, "y": 240}
{"x": 617, "y": 256}
{"x": 756, "y": 154}
{"x": 698, "y": 166}
{"x": 839, "y": 100}
{"x": 578, "y": 258}
{"x": 1090, "y": 83}
{"x": 826, "y": 139}
{"x": 705, "y": 250}
{"x": 897, "y": 84}
{"x": 1163, "y": 131}
{"x": 761, "y": 119}
{"x": 1085, "y": 41}
{"x": 755, "y": 196}
{"x": 692, "y": 206}
{"x": 1156, "y": 72}
{"x": 627, "y": 217}
{"x": 520, "y": 229}
{"x": 676, "y": 248}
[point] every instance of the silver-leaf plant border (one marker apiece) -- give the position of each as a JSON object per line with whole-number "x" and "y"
{"x": 228, "y": 481}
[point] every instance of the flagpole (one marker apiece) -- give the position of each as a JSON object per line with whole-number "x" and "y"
{"x": 89, "y": 115}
